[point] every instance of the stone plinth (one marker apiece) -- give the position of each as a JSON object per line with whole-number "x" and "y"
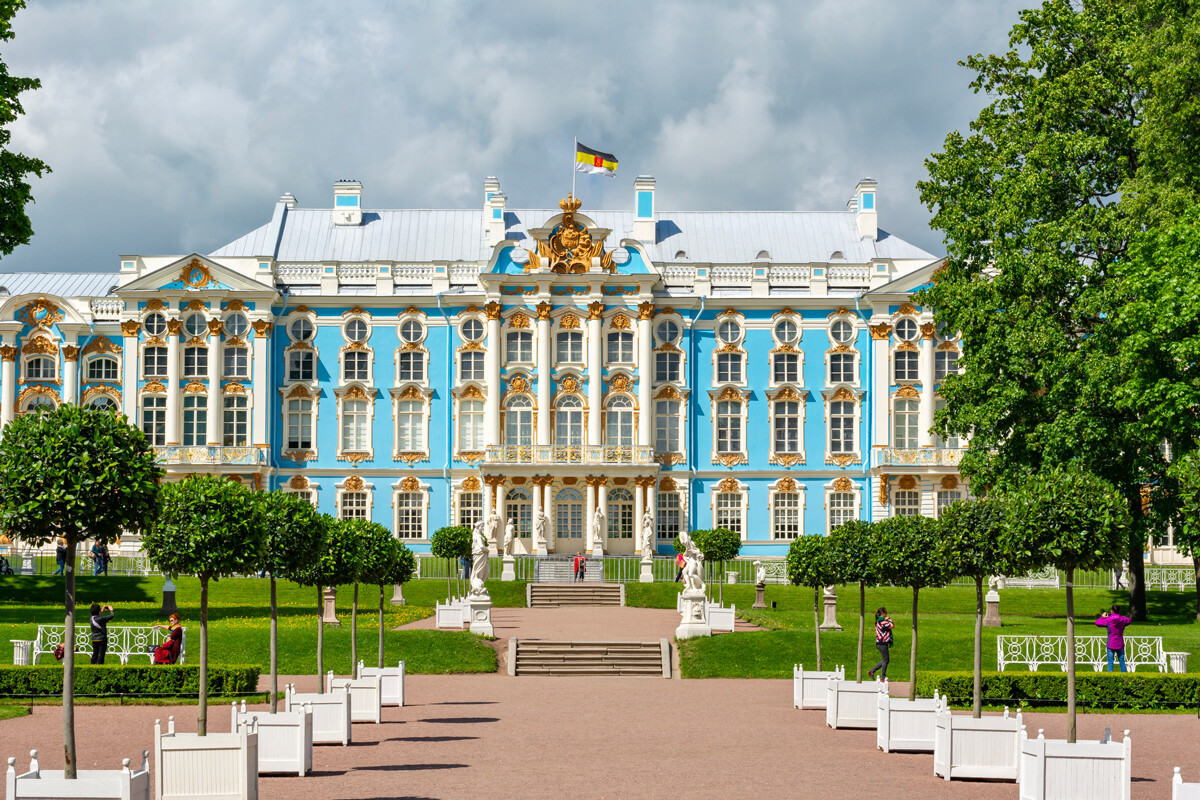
{"x": 759, "y": 594}
{"x": 168, "y": 600}
{"x": 991, "y": 616}
{"x": 830, "y": 622}
{"x": 329, "y": 607}
{"x": 647, "y": 575}
{"x": 508, "y": 568}
{"x": 398, "y": 596}
{"x": 693, "y": 607}
{"x": 480, "y": 607}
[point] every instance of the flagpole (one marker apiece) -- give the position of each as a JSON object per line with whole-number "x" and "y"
{"x": 574, "y": 159}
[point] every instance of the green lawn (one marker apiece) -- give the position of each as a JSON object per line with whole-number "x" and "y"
{"x": 8, "y": 712}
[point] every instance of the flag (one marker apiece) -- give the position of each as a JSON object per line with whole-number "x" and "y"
{"x": 593, "y": 162}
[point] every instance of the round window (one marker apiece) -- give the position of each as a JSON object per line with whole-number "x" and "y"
{"x": 842, "y": 331}
{"x": 301, "y": 329}
{"x": 906, "y": 329}
{"x": 472, "y": 330}
{"x": 156, "y": 324}
{"x": 236, "y": 325}
{"x": 729, "y": 331}
{"x": 667, "y": 331}
{"x": 195, "y": 325}
{"x": 411, "y": 331}
{"x": 787, "y": 332}
{"x": 356, "y": 330}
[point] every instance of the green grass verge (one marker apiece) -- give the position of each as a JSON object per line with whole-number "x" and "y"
{"x": 10, "y": 712}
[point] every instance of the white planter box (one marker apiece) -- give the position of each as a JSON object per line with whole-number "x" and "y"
{"x": 965, "y": 747}
{"x": 720, "y": 618}
{"x": 94, "y": 784}
{"x": 220, "y": 766}
{"x": 907, "y": 724}
{"x": 366, "y": 696}
{"x": 809, "y": 688}
{"x": 330, "y": 713}
{"x": 285, "y": 738}
{"x": 451, "y": 615}
{"x": 393, "y": 682}
{"x": 1053, "y": 768}
{"x": 1183, "y": 791}
{"x": 852, "y": 705}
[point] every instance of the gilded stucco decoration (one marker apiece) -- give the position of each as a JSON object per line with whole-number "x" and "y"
{"x": 543, "y": 311}
{"x": 907, "y": 347}
{"x": 788, "y": 393}
{"x": 788, "y": 460}
{"x": 262, "y": 327}
{"x": 907, "y": 391}
{"x": 353, "y": 484}
{"x": 664, "y": 310}
{"x": 130, "y": 327}
{"x": 411, "y": 393}
{"x": 928, "y": 330}
{"x": 300, "y": 390}
{"x": 411, "y": 457}
{"x": 355, "y": 457}
{"x": 730, "y": 393}
{"x": 356, "y": 393}
{"x": 619, "y": 383}
{"x": 196, "y": 274}
{"x": 883, "y": 489}
{"x": 843, "y": 484}
{"x": 907, "y": 308}
{"x": 493, "y": 309}
{"x": 36, "y": 391}
{"x": 215, "y": 326}
{"x": 949, "y": 482}
{"x": 569, "y": 322}
{"x": 40, "y": 345}
{"x": 196, "y": 305}
{"x": 155, "y": 341}
{"x": 842, "y": 460}
{"x": 414, "y": 310}
{"x": 238, "y": 341}
{"x": 842, "y": 348}
{"x": 195, "y": 387}
{"x": 518, "y": 320}
{"x": 351, "y": 346}
{"x": 596, "y": 310}
{"x": 300, "y": 346}
{"x": 620, "y": 322}
{"x": 842, "y": 311}
{"x": 472, "y": 346}
{"x": 234, "y": 387}
{"x": 40, "y": 313}
{"x": 470, "y": 484}
{"x": 196, "y": 341}
{"x": 154, "y": 387}
{"x": 906, "y": 483}
{"x": 569, "y": 384}
{"x": 785, "y": 485}
{"x": 668, "y": 459}
{"x": 92, "y": 391}
{"x": 786, "y": 348}
{"x": 155, "y": 305}
{"x": 728, "y": 485}
{"x": 730, "y": 459}
{"x": 298, "y": 482}
{"x": 843, "y": 394}
{"x": 518, "y": 384}
{"x": 174, "y": 327}
{"x": 8, "y": 352}
{"x": 470, "y": 456}
{"x": 668, "y": 392}
{"x": 646, "y": 310}
{"x": 570, "y": 249}
{"x": 299, "y": 456}
{"x": 880, "y": 331}
{"x": 357, "y": 311}
{"x": 666, "y": 484}
{"x": 471, "y": 393}
{"x": 410, "y": 484}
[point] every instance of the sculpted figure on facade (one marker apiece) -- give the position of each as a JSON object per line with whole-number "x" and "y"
{"x": 693, "y": 560}
{"x": 480, "y": 567}
{"x": 541, "y": 525}
{"x": 598, "y": 527}
{"x": 510, "y": 532}
{"x": 648, "y": 533}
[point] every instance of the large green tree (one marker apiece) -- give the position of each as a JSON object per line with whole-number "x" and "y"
{"x": 1186, "y": 474}
{"x": 80, "y": 474}
{"x": 15, "y": 191}
{"x": 1086, "y": 140}
{"x": 809, "y": 564}
{"x": 207, "y": 526}
{"x": 850, "y": 546}
{"x": 385, "y": 562}
{"x": 336, "y": 567}
{"x": 371, "y": 547}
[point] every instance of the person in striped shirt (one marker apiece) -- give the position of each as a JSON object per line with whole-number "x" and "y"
{"x": 883, "y": 642}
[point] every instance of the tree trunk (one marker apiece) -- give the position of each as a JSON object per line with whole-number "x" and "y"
{"x": 381, "y": 627}
{"x": 68, "y": 691}
{"x": 1071, "y": 654}
{"x": 721, "y": 585}
{"x": 817, "y": 622}
{"x": 274, "y": 646}
{"x": 354, "y": 631}
{"x": 912, "y": 656}
{"x": 977, "y": 694}
{"x": 320, "y": 641}
{"x": 862, "y": 621}
{"x": 202, "y": 714}
{"x": 1136, "y": 576}
{"x": 449, "y": 591}
{"x": 1196, "y": 567}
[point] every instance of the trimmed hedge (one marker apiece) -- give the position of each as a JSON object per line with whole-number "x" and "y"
{"x": 110, "y": 679}
{"x": 1107, "y": 690}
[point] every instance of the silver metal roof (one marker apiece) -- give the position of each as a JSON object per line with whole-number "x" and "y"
{"x": 63, "y": 284}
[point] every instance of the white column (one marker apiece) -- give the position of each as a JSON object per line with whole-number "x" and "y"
{"x": 602, "y": 500}
{"x": 595, "y": 372}
{"x": 70, "y": 370}
{"x": 8, "y": 378}
{"x": 215, "y": 419}
{"x": 173, "y": 326}
{"x": 925, "y": 409}
{"x": 591, "y": 512}
{"x": 543, "y": 373}
{"x": 645, "y": 376}
{"x": 129, "y": 352}
{"x": 537, "y": 508}
{"x": 262, "y": 353}
{"x": 487, "y": 498}
{"x": 639, "y": 508}
{"x": 879, "y": 383}
{"x": 491, "y": 369}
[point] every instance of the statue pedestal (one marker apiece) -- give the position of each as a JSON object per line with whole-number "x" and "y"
{"x": 647, "y": 575}
{"x": 168, "y": 602}
{"x": 481, "y": 614}
{"x": 830, "y": 622}
{"x": 759, "y": 602}
{"x": 694, "y": 609}
{"x": 508, "y": 568}
{"x": 398, "y": 596}
{"x": 991, "y": 617}
{"x": 329, "y": 608}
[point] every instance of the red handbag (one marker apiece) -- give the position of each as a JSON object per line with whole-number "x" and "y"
{"x": 59, "y": 652}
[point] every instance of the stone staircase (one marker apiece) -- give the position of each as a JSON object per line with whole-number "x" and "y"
{"x": 535, "y": 657}
{"x": 558, "y": 595}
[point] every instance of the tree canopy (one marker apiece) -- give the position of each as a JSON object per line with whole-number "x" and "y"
{"x": 15, "y": 191}
{"x": 208, "y": 526}
{"x": 294, "y": 533}
{"x": 453, "y": 541}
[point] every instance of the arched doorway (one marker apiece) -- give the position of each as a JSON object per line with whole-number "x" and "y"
{"x": 568, "y": 521}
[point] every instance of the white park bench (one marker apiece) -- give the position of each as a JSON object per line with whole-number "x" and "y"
{"x": 123, "y": 641}
{"x": 1035, "y": 651}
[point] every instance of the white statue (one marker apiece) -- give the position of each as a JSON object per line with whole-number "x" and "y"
{"x": 510, "y": 533}
{"x": 540, "y": 525}
{"x": 693, "y": 581}
{"x": 480, "y": 568}
{"x": 760, "y": 574}
{"x": 598, "y": 528}
{"x": 493, "y": 527}
{"x": 647, "y": 534}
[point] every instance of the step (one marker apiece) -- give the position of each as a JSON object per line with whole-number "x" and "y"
{"x": 556, "y": 657}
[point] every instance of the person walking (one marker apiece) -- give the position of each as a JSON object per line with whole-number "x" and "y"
{"x": 1116, "y": 624}
{"x": 100, "y": 559}
{"x": 575, "y": 568}
{"x": 680, "y": 561}
{"x": 883, "y": 642}
{"x": 60, "y": 555}
{"x": 100, "y": 631}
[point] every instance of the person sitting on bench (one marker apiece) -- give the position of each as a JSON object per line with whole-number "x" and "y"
{"x": 168, "y": 651}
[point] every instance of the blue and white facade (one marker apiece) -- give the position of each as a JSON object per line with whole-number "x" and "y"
{"x": 765, "y": 371}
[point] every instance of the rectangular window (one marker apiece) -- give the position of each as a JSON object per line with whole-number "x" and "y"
{"x": 620, "y": 348}
{"x": 237, "y": 362}
{"x": 195, "y": 420}
{"x": 666, "y": 426}
{"x": 841, "y": 368}
{"x": 787, "y": 427}
{"x": 470, "y": 420}
{"x": 300, "y": 365}
{"x": 952, "y": 441}
{"x": 410, "y": 515}
{"x": 785, "y": 523}
{"x": 195, "y": 362}
{"x": 906, "y": 503}
{"x": 354, "y": 365}
{"x": 470, "y": 508}
{"x": 519, "y": 509}
{"x": 945, "y": 498}
{"x": 729, "y": 426}
{"x": 471, "y": 366}
{"x": 569, "y": 347}
{"x": 729, "y": 511}
{"x": 669, "y": 520}
{"x": 906, "y": 366}
{"x": 787, "y": 368}
{"x": 841, "y": 427}
{"x": 410, "y": 426}
{"x": 154, "y": 361}
{"x": 354, "y": 506}
{"x": 154, "y": 419}
{"x": 299, "y": 424}
{"x": 355, "y": 437}
{"x": 729, "y": 368}
{"x": 945, "y": 362}
{"x": 519, "y": 347}
{"x": 102, "y": 368}
{"x": 841, "y": 508}
{"x": 904, "y": 423}
{"x": 410, "y": 366}
{"x": 666, "y": 367}
{"x": 236, "y": 427}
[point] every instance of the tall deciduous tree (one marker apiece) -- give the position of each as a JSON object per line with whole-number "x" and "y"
{"x": 15, "y": 192}
{"x": 330, "y": 569}
{"x": 973, "y": 547}
{"x": 906, "y": 553}
{"x": 1073, "y": 520}
{"x": 1186, "y": 473}
{"x": 850, "y": 546}
{"x": 80, "y": 474}
{"x": 809, "y": 564}
{"x": 372, "y": 551}
{"x": 1086, "y": 141}
{"x": 293, "y": 534}
{"x": 207, "y": 526}
{"x": 452, "y": 542}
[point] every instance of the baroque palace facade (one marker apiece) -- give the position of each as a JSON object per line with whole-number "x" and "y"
{"x": 764, "y": 371}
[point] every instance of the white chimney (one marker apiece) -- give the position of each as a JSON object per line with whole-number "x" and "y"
{"x": 347, "y": 202}
{"x": 863, "y": 206}
{"x": 495, "y": 218}
{"x": 644, "y": 226}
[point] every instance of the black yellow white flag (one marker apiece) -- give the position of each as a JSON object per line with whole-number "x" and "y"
{"x": 593, "y": 162}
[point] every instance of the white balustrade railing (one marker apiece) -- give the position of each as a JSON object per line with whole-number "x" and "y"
{"x": 106, "y": 308}
{"x": 299, "y": 273}
{"x": 849, "y": 276}
{"x": 790, "y": 276}
{"x": 412, "y": 273}
{"x": 1170, "y": 577}
{"x": 1032, "y": 652}
{"x": 569, "y": 454}
{"x": 679, "y": 275}
{"x": 356, "y": 272}
{"x": 731, "y": 276}
{"x": 918, "y": 456}
{"x": 464, "y": 274}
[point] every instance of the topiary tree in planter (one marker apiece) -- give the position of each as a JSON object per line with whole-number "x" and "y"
{"x": 809, "y": 564}
{"x": 972, "y": 544}
{"x": 452, "y": 542}
{"x": 372, "y": 549}
{"x": 850, "y": 545}
{"x": 331, "y": 569}
{"x": 906, "y": 553}
{"x": 293, "y": 535}
{"x": 718, "y": 545}
{"x": 79, "y": 473}
{"x": 207, "y": 526}
{"x": 386, "y": 562}
{"x": 1072, "y": 520}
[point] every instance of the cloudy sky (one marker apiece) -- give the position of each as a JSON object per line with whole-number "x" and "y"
{"x": 174, "y": 127}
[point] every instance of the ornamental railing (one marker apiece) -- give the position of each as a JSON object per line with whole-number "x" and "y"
{"x": 918, "y": 457}
{"x": 180, "y": 454}
{"x": 569, "y": 454}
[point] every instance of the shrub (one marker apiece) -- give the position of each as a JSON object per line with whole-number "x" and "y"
{"x": 161, "y": 679}
{"x": 1107, "y": 690}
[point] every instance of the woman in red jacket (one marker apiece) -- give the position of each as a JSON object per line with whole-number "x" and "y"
{"x": 168, "y": 651}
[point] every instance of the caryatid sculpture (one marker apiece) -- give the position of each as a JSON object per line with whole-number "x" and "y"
{"x": 480, "y": 567}
{"x": 541, "y": 526}
{"x": 510, "y": 532}
{"x": 598, "y": 529}
{"x": 647, "y": 534}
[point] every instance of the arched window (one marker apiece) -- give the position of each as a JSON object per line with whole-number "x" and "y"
{"x": 410, "y": 426}
{"x": 102, "y": 368}
{"x": 904, "y": 423}
{"x": 618, "y": 426}
{"x": 568, "y": 512}
{"x": 41, "y": 368}
{"x": 518, "y": 507}
{"x": 568, "y": 421}
{"x": 104, "y": 402}
{"x": 518, "y": 421}
{"x": 37, "y": 403}
{"x": 620, "y": 514}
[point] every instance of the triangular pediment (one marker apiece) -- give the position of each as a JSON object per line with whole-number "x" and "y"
{"x": 196, "y": 273}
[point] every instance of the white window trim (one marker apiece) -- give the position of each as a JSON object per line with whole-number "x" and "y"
{"x": 903, "y": 347}
{"x": 785, "y": 350}
{"x": 225, "y": 392}
{"x": 843, "y": 393}
{"x": 787, "y": 393}
{"x": 730, "y": 486}
{"x": 418, "y": 348}
{"x": 410, "y": 391}
{"x": 730, "y": 392}
{"x": 673, "y": 393}
{"x": 856, "y": 370}
{"x": 356, "y": 347}
{"x": 459, "y": 380}
{"x": 832, "y": 488}
{"x": 87, "y": 359}
{"x": 414, "y": 486}
{"x": 721, "y": 348}
{"x": 653, "y": 368}
{"x": 353, "y": 484}
{"x": 243, "y": 343}
{"x": 472, "y": 391}
{"x": 893, "y": 417}
{"x": 355, "y": 391}
{"x": 313, "y": 489}
{"x": 145, "y": 345}
{"x": 299, "y": 392}
{"x": 52, "y": 357}
{"x": 775, "y": 489}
